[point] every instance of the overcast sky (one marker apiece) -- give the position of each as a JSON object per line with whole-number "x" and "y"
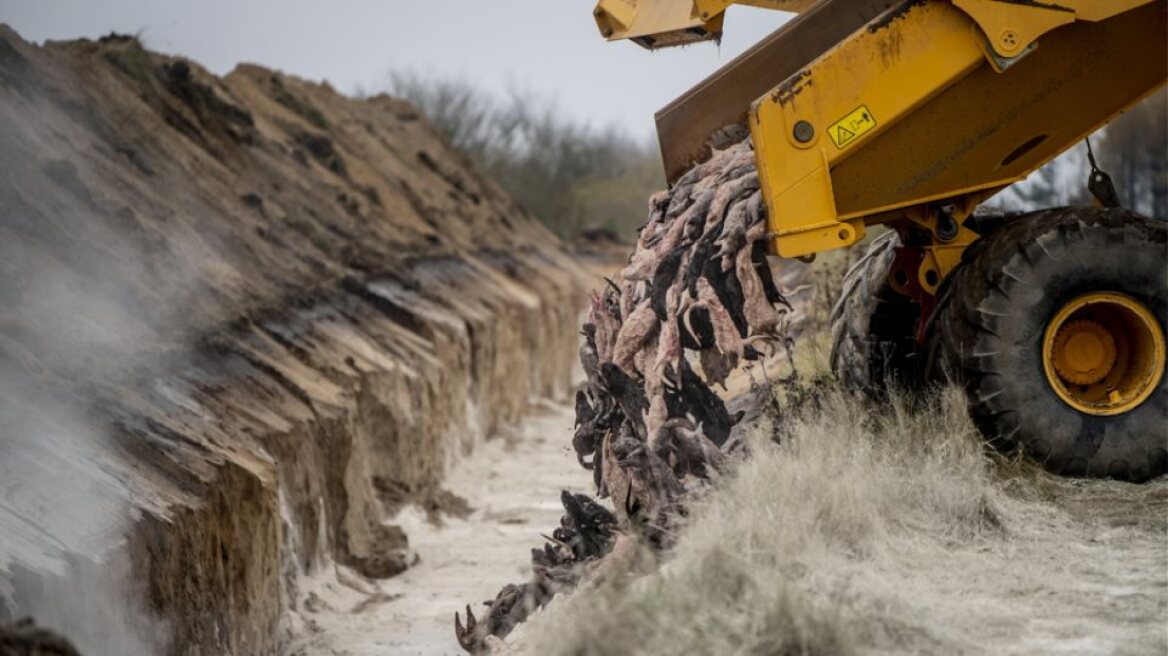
{"x": 551, "y": 46}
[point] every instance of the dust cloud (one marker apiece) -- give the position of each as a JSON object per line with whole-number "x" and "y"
{"x": 65, "y": 504}
{"x": 69, "y": 332}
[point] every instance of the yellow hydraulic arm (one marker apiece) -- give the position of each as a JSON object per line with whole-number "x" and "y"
{"x": 877, "y": 111}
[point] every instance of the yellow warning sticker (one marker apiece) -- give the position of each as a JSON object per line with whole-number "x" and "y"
{"x": 852, "y": 127}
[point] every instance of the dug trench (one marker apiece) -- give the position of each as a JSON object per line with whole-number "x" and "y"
{"x": 243, "y": 320}
{"x": 253, "y": 336}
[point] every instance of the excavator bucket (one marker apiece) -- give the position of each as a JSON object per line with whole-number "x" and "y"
{"x": 717, "y": 108}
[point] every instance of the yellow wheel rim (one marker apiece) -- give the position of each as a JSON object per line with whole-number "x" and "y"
{"x": 1104, "y": 353}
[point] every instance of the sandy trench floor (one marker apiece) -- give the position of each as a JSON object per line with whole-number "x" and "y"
{"x": 1087, "y": 575}
{"x": 513, "y": 483}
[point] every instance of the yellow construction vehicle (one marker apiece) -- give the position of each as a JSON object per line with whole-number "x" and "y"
{"x": 910, "y": 114}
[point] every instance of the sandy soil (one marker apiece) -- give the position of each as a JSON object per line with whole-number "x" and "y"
{"x": 1082, "y": 571}
{"x": 513, "y": 483}
{"x": 235, "y": 313}
{"x": 892, "y": 539}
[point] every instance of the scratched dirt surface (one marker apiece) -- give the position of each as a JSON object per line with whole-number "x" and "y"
{"x": 243, "y": 321}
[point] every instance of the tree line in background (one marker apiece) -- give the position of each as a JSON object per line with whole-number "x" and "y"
{"x": 1136, "y": 156}
{"x": 1133, "y": 149}
{"x": 576, "y": 177}
{"x": 573, "y": 176}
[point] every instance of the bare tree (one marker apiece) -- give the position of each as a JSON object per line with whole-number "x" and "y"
{"x": 571, "y": 175}
{"x": 1133, "y": 149}
{"x": 1136, "y": 155}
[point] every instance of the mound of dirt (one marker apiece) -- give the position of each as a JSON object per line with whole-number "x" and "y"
{"x": 233, "y": 313}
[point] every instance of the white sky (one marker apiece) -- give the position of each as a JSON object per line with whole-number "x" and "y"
{"x": 550, "y": 46}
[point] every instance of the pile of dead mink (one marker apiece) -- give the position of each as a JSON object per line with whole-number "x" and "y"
{"x": 698, "y": 287}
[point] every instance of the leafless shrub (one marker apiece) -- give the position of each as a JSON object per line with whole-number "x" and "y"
{"x": 1135, "y": 153}
{"x": 570, "y": 174}
{"x": 1133, "y": 149}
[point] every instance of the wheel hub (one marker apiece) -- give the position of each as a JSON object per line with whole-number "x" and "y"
{"x": 1084, "y": 352}
{"x": 1104, "y": 353}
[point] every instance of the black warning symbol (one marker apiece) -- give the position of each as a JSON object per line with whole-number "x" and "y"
{"x": 851, "y": 127}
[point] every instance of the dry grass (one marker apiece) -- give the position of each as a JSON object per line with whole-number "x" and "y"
{"x": 886, "y": 530}
{"x": 758, "y": 570}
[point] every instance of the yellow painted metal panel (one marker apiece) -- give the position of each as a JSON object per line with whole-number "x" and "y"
{"x": 1011, "y": 30}
{"x": 654, "y": 22}
{"x": 1096, "y": 10}
{"x": 1010, "y": 25}
{"x": 940, "y": 100}
{"x": 664, "y": 23}
{"x": 723, "y": 99}
{"x": 711, "y": 7}
{"x": 661, "y": 17}
{"x": 889, "y": 68}
{"x": 945, "y": 122}
{"x": 993, "y": 128}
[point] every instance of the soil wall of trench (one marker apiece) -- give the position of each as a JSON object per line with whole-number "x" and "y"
{"x": 241, "y": 319}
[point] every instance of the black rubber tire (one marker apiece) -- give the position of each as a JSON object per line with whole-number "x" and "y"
{"x": 986, "y": 334}
{"x": 873, "y": 328}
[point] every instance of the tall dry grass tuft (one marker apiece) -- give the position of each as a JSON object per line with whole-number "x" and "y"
{"x": 801, "y": 549}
